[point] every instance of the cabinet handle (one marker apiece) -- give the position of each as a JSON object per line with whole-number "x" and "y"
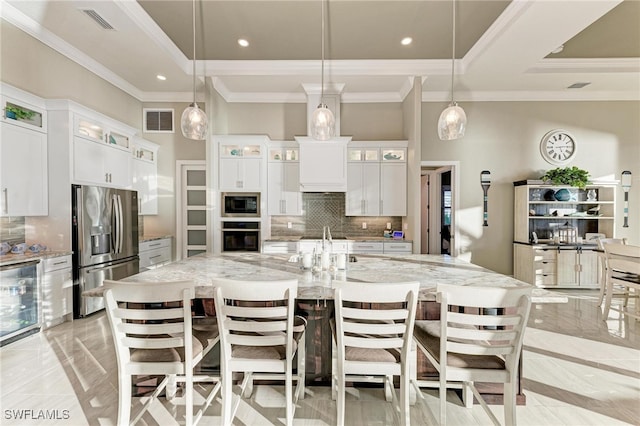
{"x": 156, "y": 244}
{"x": 106, "y": 177}
{"x": 5, "y": 194}
{"x": 153, "y": 257}
{"x": 362, "y": 207}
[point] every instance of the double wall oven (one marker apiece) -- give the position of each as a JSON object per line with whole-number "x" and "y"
{"x": 240, "y": 221}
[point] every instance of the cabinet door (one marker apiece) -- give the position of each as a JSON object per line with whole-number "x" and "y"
{"x": 363, "y": 189}
{"x": 89, "y": 163}
{"x": 23, "y": 172}
{"x": 145, "y": 181}
{"x": 589, "y": 269}
{"x": 567, "y": 268}
{"x": 393, "y": 188}
{"x": 240, "y": 174}
{"x": 118, "y": 165}
{"x": 291, "y": 189}
{"x": 323, "y": 167}
{"x": 275, "y": 185}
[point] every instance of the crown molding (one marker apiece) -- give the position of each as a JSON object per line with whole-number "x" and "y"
{"x": 591, "y": 65}
{"x": 568, "y": 95}
{"x": 37, "y": 31}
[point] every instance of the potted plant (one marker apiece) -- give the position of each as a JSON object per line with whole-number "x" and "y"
{"x": 16, "y": 113}
{"x": 572, "y": 176}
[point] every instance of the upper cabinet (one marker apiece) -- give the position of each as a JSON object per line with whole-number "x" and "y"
{"x": 377, "y": 179}
{"x": 241, "y": 162}
{"x": 283, "y": 179}
{"x": 323, "y": 164}
{"x": 102, "y": 151}
{"x": 145, "y": 175}
{"x": 23, "y": 154}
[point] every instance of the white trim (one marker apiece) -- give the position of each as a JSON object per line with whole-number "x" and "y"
{"x": 454, "y": 165}
{"x": 588, "y": 65}
{"x": 180, "y": 164}
{"x": 144, "y": 119}
{"x": 37, "y": 31}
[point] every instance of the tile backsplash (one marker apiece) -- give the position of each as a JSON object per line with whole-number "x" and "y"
{"x": 12, "y": 229}
{"x": 328, "y": 209}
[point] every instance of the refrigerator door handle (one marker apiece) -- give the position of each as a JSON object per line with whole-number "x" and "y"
{"x": 116, "y": 223}
{"x": 120, "y": 224}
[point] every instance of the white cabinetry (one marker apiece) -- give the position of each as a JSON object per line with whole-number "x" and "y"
{"x": 377, "y": 179}
{"x": 367, "y": 247}
{"x": 23, "y": 155}
{"x": 241, "y": 163}
{"x": 57, "y": 290}
{"x": 279, "y": 247}
{"x": 101, "y": 154}
{"x": 323, "y": 164}
{"x": 398, "y": 247}
{"x": 283, "y": 180}
{"x": 145, "y": 175}
{"x": 154, "y": 253}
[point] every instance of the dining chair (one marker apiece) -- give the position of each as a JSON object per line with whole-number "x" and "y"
{"x": 477, "y": 338}
{"x": 151, "y": 324}
{"x": 259, "y": 337}
{"x": 373, "y": 338}
{"x": 603, "y": 266}
{"x": 623, "y": 271}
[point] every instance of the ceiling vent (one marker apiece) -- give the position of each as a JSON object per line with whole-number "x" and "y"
{"x": 99, "y": 19}
{"x": 158, "y": 120}
{"x": 578, "y": 85}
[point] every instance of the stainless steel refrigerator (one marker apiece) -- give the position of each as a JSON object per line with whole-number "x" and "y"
{"x": 105, "y": 241}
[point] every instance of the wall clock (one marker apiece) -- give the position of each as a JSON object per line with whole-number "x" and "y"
{"x": 558, "y": 147}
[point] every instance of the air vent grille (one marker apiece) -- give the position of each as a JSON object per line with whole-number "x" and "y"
{"x": 578, "y": 85}
{"x": 99, "y": 19}
{"x": 158, "y": 120}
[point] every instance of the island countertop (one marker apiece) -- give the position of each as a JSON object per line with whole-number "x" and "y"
{"x": 429, "y": 270}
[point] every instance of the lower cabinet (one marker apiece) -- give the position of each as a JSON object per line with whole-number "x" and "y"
{"x": 552, "y": 266}
{"x": 367, "y": 247}
{"x": 57, "y": 291}
{"x": 398, "y": 247}
{"x": 154, "y": 253}
{"x": 279, "y": 247}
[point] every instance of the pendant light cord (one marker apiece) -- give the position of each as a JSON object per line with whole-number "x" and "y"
{"x": 193, "y": 10}
{"x": 322, "y": 46}
{"x": 453, "y": 48}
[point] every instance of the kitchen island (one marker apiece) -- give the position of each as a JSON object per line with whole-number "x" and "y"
{"x": 429, "y": 270}
{"x": 314, "y": 300}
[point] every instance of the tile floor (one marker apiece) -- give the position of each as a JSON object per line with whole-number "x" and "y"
{"x": 578, "y": 370}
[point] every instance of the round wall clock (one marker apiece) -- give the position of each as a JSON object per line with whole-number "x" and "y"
{"x": 558, "y": 147}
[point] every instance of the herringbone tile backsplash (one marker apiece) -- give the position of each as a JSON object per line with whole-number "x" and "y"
{"x": 327, "y": 209}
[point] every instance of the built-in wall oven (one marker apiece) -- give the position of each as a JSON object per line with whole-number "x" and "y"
{"x": 240, "y": 236}
{"x": 240, "y": 204}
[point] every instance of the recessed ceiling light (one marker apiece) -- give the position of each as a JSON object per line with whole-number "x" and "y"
{"x": 406, "y": 41}
{"x": 242, "y": 42}
{"x": 558, "y": 49}
{"x": 161, "y": 77}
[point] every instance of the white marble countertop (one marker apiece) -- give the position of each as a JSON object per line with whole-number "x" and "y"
{"x": 12, "y": 259}
{"x": 429, "y": 270}
{"x": 144, "y": 238}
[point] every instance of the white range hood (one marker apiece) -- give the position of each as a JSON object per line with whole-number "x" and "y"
{"x": 323, "y": 164}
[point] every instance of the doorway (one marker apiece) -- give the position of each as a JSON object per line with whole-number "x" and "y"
{"x": 438, "y": 201}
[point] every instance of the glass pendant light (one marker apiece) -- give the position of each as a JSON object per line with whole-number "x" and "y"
{"x": 194, "y": 121}
{"x": 453, "y": 121}
{"x": 323, "y": 123}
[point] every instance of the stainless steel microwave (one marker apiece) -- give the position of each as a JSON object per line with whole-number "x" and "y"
{"x": 240, "y": 204}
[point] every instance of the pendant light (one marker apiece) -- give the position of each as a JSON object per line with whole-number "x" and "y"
{"x": 323, "y": 123}
{"x": 453, "y": 121}
{"x": 194, "y": 120}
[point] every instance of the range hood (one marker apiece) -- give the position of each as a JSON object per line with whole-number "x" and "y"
{"x": 323, "y": 164}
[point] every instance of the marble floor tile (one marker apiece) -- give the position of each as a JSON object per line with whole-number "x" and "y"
{"x": 578, "y": 369}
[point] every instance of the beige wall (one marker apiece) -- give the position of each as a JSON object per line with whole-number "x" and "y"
{"x": 363, "y": 122}
{"x": 503, "y": 137}
{"x": 34, "y": 67}
{"x": 278, "y": 121}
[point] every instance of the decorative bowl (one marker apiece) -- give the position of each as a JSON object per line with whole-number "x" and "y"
{"x": 562, "y": 195}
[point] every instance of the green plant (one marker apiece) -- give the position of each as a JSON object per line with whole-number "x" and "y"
{"x": 20, "y": 113}
{"x": 572, "y": 176}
